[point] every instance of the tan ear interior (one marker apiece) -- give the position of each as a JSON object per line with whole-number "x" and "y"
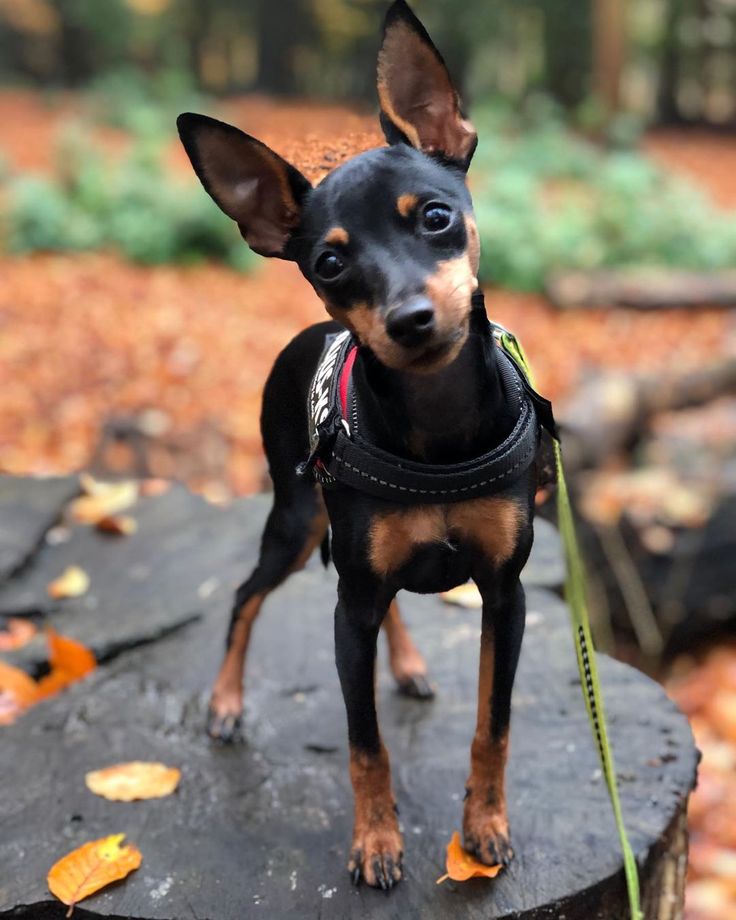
{"x": 251, "y": 186}
{"x": 417, "y": 95}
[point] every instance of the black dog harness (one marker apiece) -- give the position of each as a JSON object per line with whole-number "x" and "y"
{"x": 340, "y": 455}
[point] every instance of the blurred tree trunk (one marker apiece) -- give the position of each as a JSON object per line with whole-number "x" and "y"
{"x": 609, "y": 42}
{"x": 567, "y": 49}
{"x": 75, "y": 64}
{"x": 279, "y": 33}
{"x": 668, "y": 109}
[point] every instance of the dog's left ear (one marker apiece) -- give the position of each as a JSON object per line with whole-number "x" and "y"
{"x": 419, "y": 104}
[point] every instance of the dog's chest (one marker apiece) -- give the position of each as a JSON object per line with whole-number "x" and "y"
{"x": 434, "y": 535}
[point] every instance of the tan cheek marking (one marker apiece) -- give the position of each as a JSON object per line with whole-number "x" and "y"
{"x": 395, "y": 535}
{"x": 405, "y": 204}
{"x": 367, "y": 324}
{"x": 471, "y": 229}
{"x": 450, "y": 288}
{"x": 338, "y": 236}
{"x": 493, "y": 524}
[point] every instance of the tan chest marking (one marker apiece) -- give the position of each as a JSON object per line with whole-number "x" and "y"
{"x": 491, "y": 524}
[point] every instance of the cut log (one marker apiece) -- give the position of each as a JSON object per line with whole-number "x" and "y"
{"x": 610, "y": 415}
{"x": 642, "y": 289}
{"x": 264, "y": 829}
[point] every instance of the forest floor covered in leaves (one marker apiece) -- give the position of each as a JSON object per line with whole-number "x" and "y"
{"x": 183, "y": 352}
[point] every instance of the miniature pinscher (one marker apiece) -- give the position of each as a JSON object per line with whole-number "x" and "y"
{"x": 389, "y": 243}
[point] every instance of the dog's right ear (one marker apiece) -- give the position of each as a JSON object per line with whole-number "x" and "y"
{"x": 253, "y": 185}
{"x": 419, "y": 103}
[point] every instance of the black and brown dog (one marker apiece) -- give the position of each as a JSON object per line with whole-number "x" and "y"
{"x": 389, "y": 243}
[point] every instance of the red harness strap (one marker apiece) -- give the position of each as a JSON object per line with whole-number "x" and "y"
{"x": 347, "y": 370}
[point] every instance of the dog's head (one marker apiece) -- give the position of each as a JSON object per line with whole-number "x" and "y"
{"x": 388, "y": 239}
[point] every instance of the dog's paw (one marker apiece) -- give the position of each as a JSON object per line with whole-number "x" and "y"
{"x": 224, "y": 717}
{"x": 376, "y": 858}
{"x": 486, "y": 836}
{"x": 416, "y": 686}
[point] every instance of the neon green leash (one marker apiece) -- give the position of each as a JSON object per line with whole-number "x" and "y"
{"x": 587, "y": 665}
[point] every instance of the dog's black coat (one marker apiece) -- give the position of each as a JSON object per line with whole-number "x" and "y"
{"x": 389, "y": 243}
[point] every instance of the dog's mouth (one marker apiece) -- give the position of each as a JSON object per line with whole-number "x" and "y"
{"x": 438, "y": 354}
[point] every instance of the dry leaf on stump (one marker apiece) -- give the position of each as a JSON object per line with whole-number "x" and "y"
{"x": 461, "y": 865}
{"x": 74, "y": 582}
{"x": 466, "y": 595}
{"x": 16, "y": 633}
{"x": 69, "y": 661}
{"x": 102, "y": 500}
{"x": 18, "y": 691}
{"x": 121, "y": 525}
{"x": 126, "y": 782}
{"x": 91, "y": 867}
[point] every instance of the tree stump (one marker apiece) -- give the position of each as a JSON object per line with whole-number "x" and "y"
{"x": 263, "y": 828}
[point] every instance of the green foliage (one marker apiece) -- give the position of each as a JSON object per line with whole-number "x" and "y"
{"x": 135, "y": 207}
{"x": 145, "y": 105}
{"x": 547, "y": 200}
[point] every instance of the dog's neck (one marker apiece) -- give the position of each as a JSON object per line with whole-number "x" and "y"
{"x": 455, "y": 414}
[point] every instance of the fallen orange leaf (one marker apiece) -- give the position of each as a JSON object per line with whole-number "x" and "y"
{"x": 16, "y": 634}
{"x": 126, "y": 782}
{"x": 102, "y": 499}
{"x": 72, "y": 583}
{"x": 91, "y": 867}
{"x": 69, "y": 660}
{"x": 461, "y": 865}
{"x": 119, "y": 524}
{"x": 17, "y": 691}
{"x": 68, "y": 655}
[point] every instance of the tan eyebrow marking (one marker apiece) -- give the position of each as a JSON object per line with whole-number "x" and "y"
{"x": 405, "y": 204}
{"x": 338, "y": 236}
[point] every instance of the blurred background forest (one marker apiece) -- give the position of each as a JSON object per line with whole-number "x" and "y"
{"x": 136, "y": 329}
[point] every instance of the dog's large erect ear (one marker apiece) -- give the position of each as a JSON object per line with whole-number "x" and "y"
{"x": 419, "y": 104}
{"x": 261, "y": 192}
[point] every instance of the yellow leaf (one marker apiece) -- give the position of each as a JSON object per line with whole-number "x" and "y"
{"x": 126, "y": 782}
{"x": 466, "y": 595}
{"x": 102, "y": 500}
{"x": 91, "y": 867}
{"x": 461, "y": 865}
{"x": 72, "y": 583}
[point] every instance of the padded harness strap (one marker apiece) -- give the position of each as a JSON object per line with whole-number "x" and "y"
{"x": 341, "y": 456}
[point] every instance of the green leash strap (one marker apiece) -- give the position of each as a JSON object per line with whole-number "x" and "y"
{"x": 587, "y": 665}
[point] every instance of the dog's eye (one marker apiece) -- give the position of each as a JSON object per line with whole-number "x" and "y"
{"x": 436, "y": 217}
{"x": 329, "y": 266}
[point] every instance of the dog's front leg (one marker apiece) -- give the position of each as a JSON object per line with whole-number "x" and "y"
{"x": 377, "y": 846}
{"x": 485, "y": 822}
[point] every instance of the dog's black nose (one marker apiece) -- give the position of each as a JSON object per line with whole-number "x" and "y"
{"x": 411, "y": 323}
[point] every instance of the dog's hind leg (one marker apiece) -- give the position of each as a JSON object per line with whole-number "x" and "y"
{"x": 405, "y": 660}
{"x": 293, "y": 530}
